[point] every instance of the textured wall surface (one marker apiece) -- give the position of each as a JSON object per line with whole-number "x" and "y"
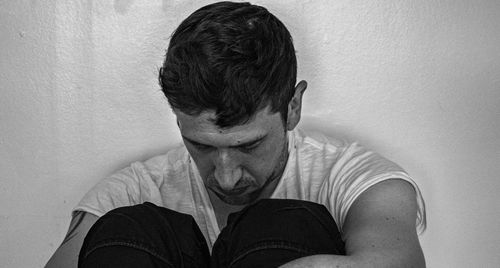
{"x": 418, "y": 81}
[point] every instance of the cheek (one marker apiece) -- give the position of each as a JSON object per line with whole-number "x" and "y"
{"x": 202, "y": 161}
{"x": 264, "y": 162}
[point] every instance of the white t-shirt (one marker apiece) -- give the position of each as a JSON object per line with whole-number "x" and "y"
{"x": 320, "y": 170}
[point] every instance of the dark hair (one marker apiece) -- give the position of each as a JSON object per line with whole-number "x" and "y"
{"x": 231, "y": 58}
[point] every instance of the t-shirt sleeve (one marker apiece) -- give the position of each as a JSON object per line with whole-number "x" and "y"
{"x": 129, "y": 186}
{"x": 356, "y": 170}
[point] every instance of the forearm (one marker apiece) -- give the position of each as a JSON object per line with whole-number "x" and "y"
{"x": 338, "y": 261}
{"x": 324, "y": 261}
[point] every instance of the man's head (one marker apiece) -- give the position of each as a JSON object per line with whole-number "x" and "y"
{"x": 230, "y": 58}
{"x": 229, "y": 75}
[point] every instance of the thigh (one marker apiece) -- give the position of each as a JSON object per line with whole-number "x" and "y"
{"x": 144, "y": 236}
{"x": 272, "y": 232}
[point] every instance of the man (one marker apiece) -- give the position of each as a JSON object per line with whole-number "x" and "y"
{"x": 230, "y": 77}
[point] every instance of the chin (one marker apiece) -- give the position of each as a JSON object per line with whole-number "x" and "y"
{"x": 240, "y": 200}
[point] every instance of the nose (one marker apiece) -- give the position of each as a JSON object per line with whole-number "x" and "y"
{"x": 227, "y": 169}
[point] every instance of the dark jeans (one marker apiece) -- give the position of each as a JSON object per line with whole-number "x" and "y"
{"x": 268, "y": 233}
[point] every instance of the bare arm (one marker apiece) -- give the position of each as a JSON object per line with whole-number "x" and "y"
{"x": 67, "y": 253}
{"x": 379, "y": 231}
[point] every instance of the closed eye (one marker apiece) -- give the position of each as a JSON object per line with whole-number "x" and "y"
{"x": 248, "y": 148}
{"x": 201, "y": 147}
{"x": 198, "y": 146}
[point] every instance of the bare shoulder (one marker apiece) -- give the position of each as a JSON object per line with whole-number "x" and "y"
{"x": 67, "y": 253}
{"x": 381, "y": 224}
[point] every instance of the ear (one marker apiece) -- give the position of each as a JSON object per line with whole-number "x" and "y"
{"x": 175, "y": 111}
{"x": 295, "y": 106}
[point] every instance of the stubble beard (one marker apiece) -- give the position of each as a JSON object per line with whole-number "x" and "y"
{"x": 267, "y": 188}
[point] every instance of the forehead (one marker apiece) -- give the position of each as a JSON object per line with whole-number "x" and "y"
{"x": 202, "y": 128}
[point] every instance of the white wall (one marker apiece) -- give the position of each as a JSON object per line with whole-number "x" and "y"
{"x": 418, "y": 81}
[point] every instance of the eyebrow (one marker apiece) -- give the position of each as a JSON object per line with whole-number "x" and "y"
{"x": 245, "y": 144}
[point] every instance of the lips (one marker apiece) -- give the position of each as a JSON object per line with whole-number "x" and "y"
{"x": 232, "y": 192}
